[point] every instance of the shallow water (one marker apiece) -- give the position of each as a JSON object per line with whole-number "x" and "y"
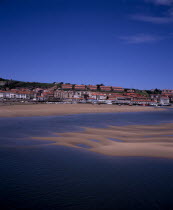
{"x": 22, "y": 127}
{"x": 57, "y": 177}
{"x": 117, "y": 140}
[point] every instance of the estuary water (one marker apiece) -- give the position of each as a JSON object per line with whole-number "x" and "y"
{"x": 34, "y": 175}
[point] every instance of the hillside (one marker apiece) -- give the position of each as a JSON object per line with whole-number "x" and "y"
{"x": 12, "y": 84}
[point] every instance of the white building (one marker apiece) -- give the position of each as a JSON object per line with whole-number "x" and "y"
{"x": 15, "y": 95}
{"x": 164, "y": 101}
{"x": 2, "y": 94}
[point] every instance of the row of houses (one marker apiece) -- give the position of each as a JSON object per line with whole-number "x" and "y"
{"x": 127, "y": 98}
{"x": 43, "y": 94}
{"x": 91, "y": 88}
{"x": 11, "y": 94}
{"x": 40, "y": 94}
{"x": 167, "y": 91}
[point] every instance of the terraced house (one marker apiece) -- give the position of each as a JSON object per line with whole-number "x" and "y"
{"x": 105, "y": 88}
{"x": 16, "y": 94}
{"x": 66, "y": 86}
{"x": 80, "y": 87}
{"x": 92, "y": 87}
{"x": 117, "y": 89}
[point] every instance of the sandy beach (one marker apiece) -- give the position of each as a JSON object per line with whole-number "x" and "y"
{"x": 133, "y": 140}
{"x": 66, "y": 109}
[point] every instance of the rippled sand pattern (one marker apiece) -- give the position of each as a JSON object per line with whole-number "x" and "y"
{"x": 134, "y": 140}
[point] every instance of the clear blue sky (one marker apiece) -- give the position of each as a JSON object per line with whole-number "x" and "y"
{"x": 126, "y": 43}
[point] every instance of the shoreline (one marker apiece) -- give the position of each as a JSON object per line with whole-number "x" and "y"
{"x": 68, "y": 109}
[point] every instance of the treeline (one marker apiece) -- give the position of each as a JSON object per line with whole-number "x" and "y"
{"x": 29, "y": 85}
{"x": 155, "y": 91}
{"x": 12, "y": 84}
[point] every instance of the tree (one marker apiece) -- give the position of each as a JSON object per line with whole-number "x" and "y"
{"x": 157, "y": 91}
{"x": 100, "y": 85}
{"x": 86, "y": 96}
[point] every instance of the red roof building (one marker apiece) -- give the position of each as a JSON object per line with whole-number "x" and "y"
{"x": 80, "y": 87}
{"x": 67, "y": 86}
{"x": 105, "y": 88}
{"x": 92, "y": 87}
{"x": 130, "y": 91}
{"x": 167, "y": 91}
{"x": 118, "y": 89}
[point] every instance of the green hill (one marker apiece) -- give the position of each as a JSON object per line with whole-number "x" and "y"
{"x": 5, "y": 83}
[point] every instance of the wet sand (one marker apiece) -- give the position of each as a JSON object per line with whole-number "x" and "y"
{"x": 133, "y": 140}
{"x": 66, "y": 109}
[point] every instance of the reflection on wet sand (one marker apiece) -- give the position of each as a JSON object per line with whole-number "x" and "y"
{"x": 121, "y": 140}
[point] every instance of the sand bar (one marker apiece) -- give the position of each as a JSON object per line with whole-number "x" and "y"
{"x": 133, "y": 140}
{"x": 66, "y": 109}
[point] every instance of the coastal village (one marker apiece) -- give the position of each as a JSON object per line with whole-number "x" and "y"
{"x": 95, "y": 94}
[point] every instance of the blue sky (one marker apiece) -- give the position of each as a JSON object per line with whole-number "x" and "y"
{"x": 126, "y": 43}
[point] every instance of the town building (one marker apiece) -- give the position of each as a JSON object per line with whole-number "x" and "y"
{"x": 164, "y": 100}
{"x": 92, "y": 87}
{"x": 105, "y": 88}
{"x": 67, "y": 86}
{"x": 117, "y": 89}
{"x": 130, "y": 91}
{"x": 167, "y": 91}
{"x": 99, "y": 96}
{"x": 2, "y": 94}
{"x": 16, "y": 94}
{"x": 64, "y": 95}
{"x": 80, "y": 87}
